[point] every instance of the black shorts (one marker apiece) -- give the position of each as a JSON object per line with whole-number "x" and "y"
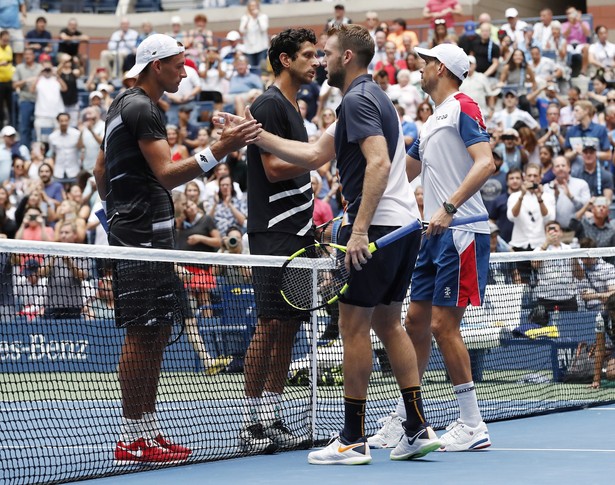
{"x": 147, "y": 293}
{"x": 266, "y": 281}
{"x": 385, "y": 278}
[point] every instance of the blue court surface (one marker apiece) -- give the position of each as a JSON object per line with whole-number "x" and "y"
{"x": 576, "y": 447}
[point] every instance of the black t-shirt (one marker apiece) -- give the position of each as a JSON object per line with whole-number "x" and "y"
{"x": 69, "y": 46}
{"x": 484, "y": 53}
{"x": 202, "y": 227}
{"x": 139, "y": 208}
{"x": 285, "y": 206}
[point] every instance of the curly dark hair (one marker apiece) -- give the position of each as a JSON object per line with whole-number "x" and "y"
{"x": 288, "y": 42}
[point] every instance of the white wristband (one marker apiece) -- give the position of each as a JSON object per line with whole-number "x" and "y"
{"x": 206, "y": 160}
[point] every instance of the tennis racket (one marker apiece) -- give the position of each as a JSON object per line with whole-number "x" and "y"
{"x": 306, "y": 289}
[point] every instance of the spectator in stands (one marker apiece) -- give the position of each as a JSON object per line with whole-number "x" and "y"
{"x": 213, "y": 186}
{"x": 441, "y": 9}
{"x": 48, "y": 88}
{"x": 408, "y": 97}
{"x": 495, "y": 185}
{"x": 391, "y": 65}
{"x": 329, "y": 99}
{"x": 30, "y": 289}
{"x": 515, "y": 28}
{"x": 423, "y": 111}
{"x": 8, "y": 228}
{"x": 529, "y": 209}
{"x": 544, "y": 98}
{"x": 371, "y": 23}
{"x": 75, "y": 194}
{"x": 12, "y": 13}
{"x": 596, "y": 227}
{"x": 420, "y": 199}
{"x": 90, "y": 136}
{"x": 586, "y": 133}
{"x": 508, "y": 145}
{"x": 228, "y": 209}
{"x": 188, "y": 132}
{"x": 339, "y": 17}
{"x": 486, "y": 51}
{"x": 546, "y": 155}
{"x": 189, "y": 89}
{"x": 254, "y": 27}
{"x": 203, "y": 140}
{"x": 194, "y": 191}
{"x": 68, "y": 212}
{"x": 577, "y": 32}
{"x": 529, "y": 143}
{"x": 63, "y": 144}
{"x": 469, "y": 35}
{"x": 605, "y": 357}
{"x": 542, "y": 30}
{"x": 499, "y": 207}
{"x": 69, "y": 72}
{"x": 556, "y": 285}
{"x": 597, "y": 95}
{"x": 596, "y": 278}
{"x": 506, "y": 50}
{"x": 397, "y": 32}
{"x": 23, "y": 77}
{"x": 212, "y": 71}
{"x": 380, "y": 40}
{"x": 310, "y": 128}
{"x": 200, "y": 36}
{"x": 53, "y": 189}
{"x": 570, "y": 193}
{"x": 36, "y": 39}
{"x": 178, "y": 150}
{"x": 601, "y": 54}
{"x": 545, "y": 69}
{"x": 558, "y": 44}
{"x": 511, "y": 114}
{"x": 517, "y": 74}
{"x": 121, "y": 43}
{"x": 310, "y": 93}
{"x": 228, "y": 53}
{"x": 485, "y": 18}
{"x": 102, "y": 305}
{"x": 441, "y": 34}
{"x": 244, "y": 86}
{"x": 477, "y": 86}
{"x": 322, "y": 210}
{"x": 33, "y": 227}
{"x": 566, "y": 113}
{"x": 19, "y": 181}
{"x": 65, "y": 275}
{"x": 71, "y": 38}
{"x": 9, "y": 149}
{"x": 176, "y": 29}
{"x": 6, "y": 79}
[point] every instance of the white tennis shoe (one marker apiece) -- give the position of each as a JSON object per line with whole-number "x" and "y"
{"x": 340, "y": 453}
{"x": 461, "y": 437}
{"x": 389, "y": 434}
{"x": 418, "y": 445}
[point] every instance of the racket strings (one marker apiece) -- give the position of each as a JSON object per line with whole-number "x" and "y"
{"x": 298, "y": 280}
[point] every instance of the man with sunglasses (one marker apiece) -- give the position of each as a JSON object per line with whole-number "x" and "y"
{"x": 134, "y": 174}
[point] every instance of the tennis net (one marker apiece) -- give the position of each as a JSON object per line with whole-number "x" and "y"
{"x": 60, "y": 400}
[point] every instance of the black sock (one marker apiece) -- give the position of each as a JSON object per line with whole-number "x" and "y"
{"x": 354, "y": 419}
{"x": 413, "y": 403}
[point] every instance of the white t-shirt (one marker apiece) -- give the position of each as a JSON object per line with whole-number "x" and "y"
{"x": 64, "y": 145}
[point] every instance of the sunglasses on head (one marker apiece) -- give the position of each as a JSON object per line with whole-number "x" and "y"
{"x": 439, "y": 21}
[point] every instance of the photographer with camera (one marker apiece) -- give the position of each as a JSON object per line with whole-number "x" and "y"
{"x": 33, "y": 227}
{"x": 529, "y": 209}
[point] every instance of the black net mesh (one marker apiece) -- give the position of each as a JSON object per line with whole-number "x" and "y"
{"x": 60, "y": 396}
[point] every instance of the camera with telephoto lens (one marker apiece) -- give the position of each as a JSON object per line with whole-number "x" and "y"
{"x": 232, "y": 242}
{"x": 534, "y": 186}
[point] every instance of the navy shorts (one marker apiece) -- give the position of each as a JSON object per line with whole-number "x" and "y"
{"x": 147, "y": 293}
{"x": 452, "y": 269}
{"x": 266, "y": 280}
{"x": 385, "y": 278}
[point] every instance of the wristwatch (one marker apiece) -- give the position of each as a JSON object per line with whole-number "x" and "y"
{"x": 449, "y": 208}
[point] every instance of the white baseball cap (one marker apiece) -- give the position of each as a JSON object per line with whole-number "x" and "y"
{"x": 452, "y": 56}
{"x": 8, "y": 130}
{"x": 156, "y": 46}
{"x": 233, "y": 35}
{"x": 511, "y": 12}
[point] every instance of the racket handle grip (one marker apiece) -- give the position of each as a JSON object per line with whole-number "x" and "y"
{"x": 102, "y": 217}
{"x": 460, "y": 221}
{"x": 397, "y": 234}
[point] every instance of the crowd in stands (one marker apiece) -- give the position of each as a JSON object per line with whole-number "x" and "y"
{"x": 545, "y": 90}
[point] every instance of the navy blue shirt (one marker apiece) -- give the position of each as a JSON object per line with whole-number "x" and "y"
{"x": 365, "y": 111}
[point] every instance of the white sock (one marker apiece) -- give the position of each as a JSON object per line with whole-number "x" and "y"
{"x": 271, "y": 407}
{"x": 468, "y": 404}
{"x": 400, "y": 410}
{"x": 131, "y": 430}
{"x": 251, "y": 410}
{"x": 150, "y": 425}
